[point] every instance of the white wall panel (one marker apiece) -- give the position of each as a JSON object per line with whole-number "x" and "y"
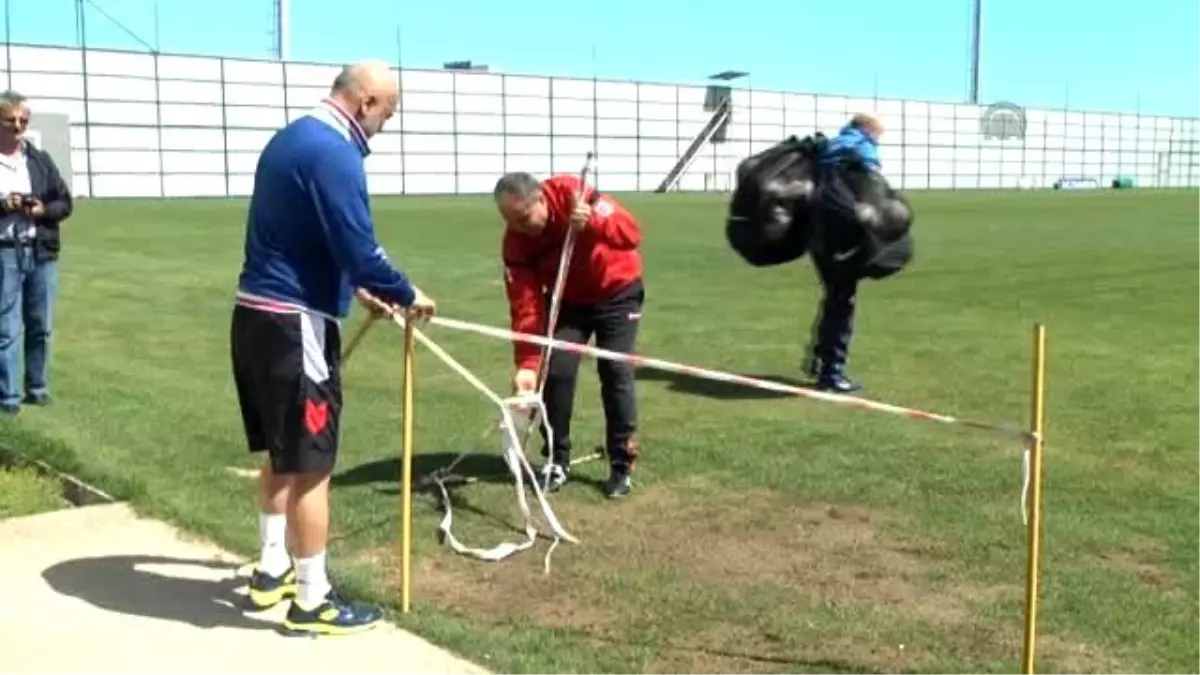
{"x": 619, "y": 182}
{"x": 385, "y": 184}
{"x": 384, "y": 164}
{"x": 627, "y": 128}
{"x": 180, "y": 91}
{"x": 430, "y": 164}
{"x": 241, "y": 185}
{"x": 479, "y": 124}
{"x": 194, "y": 185}
{"x": 119, "y": 63}
{"x": 184, "y": 115}
{"x": 112, "y": 88}
{"x": 38, "y": 85}
{"x": 45, "y": 59}
{"x": 482, "y": 124}
{"x": 418, "y": 183}
{"x": 180, "y": 162}
{"x": 125, "y": 185}
{"x": 245, "y": 139}
{"x": 242, "y": 162}
{"x": 189, "y": 68}
{"x": 529, "y": 124}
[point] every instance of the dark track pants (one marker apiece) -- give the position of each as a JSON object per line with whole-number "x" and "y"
{"x": 835, "y": 323}
{"x": 614, "y": 323}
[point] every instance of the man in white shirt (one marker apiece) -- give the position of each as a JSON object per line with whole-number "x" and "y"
{"x": 34, "y": 200}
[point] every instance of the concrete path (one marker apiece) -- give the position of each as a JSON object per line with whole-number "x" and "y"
{"x": 100, "y": 590}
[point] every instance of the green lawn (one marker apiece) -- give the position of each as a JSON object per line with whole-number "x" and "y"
{"x": 767, "y": 534}
{"x": 24, "y": 491}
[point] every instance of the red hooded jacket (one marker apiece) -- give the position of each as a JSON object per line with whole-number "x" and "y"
{"x": 605, "y": 260}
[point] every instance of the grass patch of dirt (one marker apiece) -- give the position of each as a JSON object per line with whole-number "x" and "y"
{"x": 762, "y": 584}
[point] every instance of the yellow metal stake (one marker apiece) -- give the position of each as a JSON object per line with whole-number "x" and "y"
{"x": 1033, "y": 562}
{"x": 406, "y": 474}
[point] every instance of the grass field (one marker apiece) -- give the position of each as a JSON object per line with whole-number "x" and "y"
{"x": 766, "y": 533}
{"x": 24, "y": 491}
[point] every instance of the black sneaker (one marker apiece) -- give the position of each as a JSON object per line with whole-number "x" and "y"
{"x": 554, "y": 476}
{"x": 618, "y": 484}
{"x": 38, "y": 399}
{"x": 838, "y": 384}
{"x": 332, "y": 617}
{"x": 266, "y": 591}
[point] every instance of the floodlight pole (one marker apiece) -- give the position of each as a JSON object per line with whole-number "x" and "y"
{"x": 283, "y": 31}
{"x": 976, "y": 26}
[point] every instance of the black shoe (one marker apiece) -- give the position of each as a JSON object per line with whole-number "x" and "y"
{"x": 10, "y": 409}
{"x": 554, "y": 476}
{"x": 38, "y": 399}
{"x": 266, "y": 591}
{"x": 332, "y": 617}
{"x": 812, "y": 367}
{"x": 618, "y": 484}
{"x": 837, "y": 384}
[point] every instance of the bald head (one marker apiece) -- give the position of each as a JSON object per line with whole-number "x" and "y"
{"x": 369, "y": 91}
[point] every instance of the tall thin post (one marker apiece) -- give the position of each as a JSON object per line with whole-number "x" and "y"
{"x": 976, "y": 25}
{"x": 406, "y": 474}
{"x": 284, "y": 30}
{"x": 1034, "y": 547}
{"x": 81, "y": 31}
{"x": 8, "y": 42}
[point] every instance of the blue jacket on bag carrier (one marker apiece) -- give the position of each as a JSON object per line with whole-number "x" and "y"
{"x": 824, "y": 196}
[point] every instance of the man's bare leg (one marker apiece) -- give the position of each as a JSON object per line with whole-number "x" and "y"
{"x": 273, "y": 522}
{"x": 308, "y": 511}
{"x": 273, "y": 580}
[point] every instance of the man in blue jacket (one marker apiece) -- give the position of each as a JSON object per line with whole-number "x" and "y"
{"x": 309, "y": 243}
{"x": 836, "y": 242}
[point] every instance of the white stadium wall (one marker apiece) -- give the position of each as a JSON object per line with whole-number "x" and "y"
{"x": 174, "y": 126}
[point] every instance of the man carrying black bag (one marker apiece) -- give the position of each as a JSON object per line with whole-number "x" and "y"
{"x": 860, "y": 230}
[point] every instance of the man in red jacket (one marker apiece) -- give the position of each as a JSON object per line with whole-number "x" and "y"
{"x": 603, "y": 296}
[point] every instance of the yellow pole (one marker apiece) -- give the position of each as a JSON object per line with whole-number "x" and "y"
{"x": 358, "y": 338}
{"x": 406, "y": 474}
{"x": 1034, "y": 549}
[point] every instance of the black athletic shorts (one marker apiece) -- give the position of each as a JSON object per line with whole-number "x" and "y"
{"x": 286, "y": 369}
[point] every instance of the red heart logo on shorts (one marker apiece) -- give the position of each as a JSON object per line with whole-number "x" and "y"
{"x": 316, "y": 415}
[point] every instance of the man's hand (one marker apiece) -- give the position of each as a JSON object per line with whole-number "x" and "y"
{"x": 378, "y": 308}
{"x": 422, "y": 306}
{"x": 580, "y": 216}
{"x": 524, "y": 382}
{"x": 37, "y": 210}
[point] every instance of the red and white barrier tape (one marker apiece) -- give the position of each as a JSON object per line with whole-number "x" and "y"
{"x": 638, "y": 361}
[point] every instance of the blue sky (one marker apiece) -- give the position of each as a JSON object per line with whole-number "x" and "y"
{"x": 1131, "y": 56}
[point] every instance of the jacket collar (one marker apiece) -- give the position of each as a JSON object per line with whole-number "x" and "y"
{"x": 333, "y": 113}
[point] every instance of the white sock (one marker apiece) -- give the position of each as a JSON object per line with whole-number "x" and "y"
{"x": 314, "y": 583}
{"x": 272, "y": 529}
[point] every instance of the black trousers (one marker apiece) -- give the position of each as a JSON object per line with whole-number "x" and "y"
{"x": 614, "y": 323}
{"x": 835, "y": 322}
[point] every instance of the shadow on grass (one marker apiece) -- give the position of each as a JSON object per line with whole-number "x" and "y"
{"x": 116, "y": 584}
{"x": 384, "y": 476}
{"x": 725, "y": 391}
{"x": 825, "y": 664}
{"x": 819, "y": 665}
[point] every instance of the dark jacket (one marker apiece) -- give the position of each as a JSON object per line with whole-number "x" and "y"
{"x": 51, "y": 190}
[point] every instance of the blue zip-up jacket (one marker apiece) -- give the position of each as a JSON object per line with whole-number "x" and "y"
{"x": 309, "y": 236}
{"x": 852, "y": 140}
